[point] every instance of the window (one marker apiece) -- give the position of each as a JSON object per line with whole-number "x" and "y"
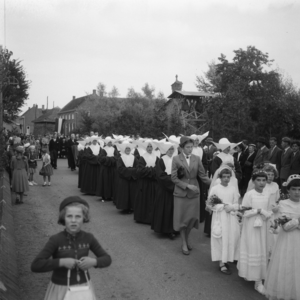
{"x": 72, "y": 116}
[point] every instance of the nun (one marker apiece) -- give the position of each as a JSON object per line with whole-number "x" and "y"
{"x": 108, "y": 161}
{"x": 90, "y": 176}
{"x": 144, "y": 201}
{"x": 162, "y": 221}
{"x": 126, "y": 187}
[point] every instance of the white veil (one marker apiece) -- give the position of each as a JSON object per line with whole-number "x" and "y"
{"x": 216, "y": 180}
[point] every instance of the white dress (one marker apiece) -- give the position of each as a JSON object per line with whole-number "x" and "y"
{"x": 226, "y": 247}
{"x": 252, "y": 264}
{"x": 283, "y": 277}
{"x": 272, "y": 189}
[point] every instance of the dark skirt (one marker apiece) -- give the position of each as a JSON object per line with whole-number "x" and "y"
{"x": 48, "y": 170}
{"x": 126, "y": 191}
{"x": 20, "y": 181}
{"x": 186, "y": 213}
{"x": 162, "y": 221}
{"x": 144, "y": 201}
{"x": 106, "y": 188}
{"x": 89, "y": 179}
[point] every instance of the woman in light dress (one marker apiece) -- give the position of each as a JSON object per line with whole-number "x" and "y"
{"x": 253, "y": 260}
{"x": 225, "y": 233}
{"x": 283, "y": 276}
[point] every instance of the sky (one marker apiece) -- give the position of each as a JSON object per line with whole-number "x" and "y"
{"x": 68, "y": 46}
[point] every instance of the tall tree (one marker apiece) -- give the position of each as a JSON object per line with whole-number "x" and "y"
{"x": 114, "y": 93}
{"x": 101, "y": 90}
{"x": 15, "y": 85}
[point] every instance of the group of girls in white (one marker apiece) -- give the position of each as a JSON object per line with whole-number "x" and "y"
{"x": 265, "y": 251}
{"x": 159, "y": 182}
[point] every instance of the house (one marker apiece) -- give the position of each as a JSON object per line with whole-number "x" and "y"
{"x": 189, "y": 107}
{"x": 69, "y": 113}
{"x": 25, "y": 120}
{"x": 47, "y": 122}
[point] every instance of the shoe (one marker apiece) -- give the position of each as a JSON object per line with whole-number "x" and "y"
{"x": 34, "y": 183}
{"x": 44, "y": 184}
{"x": 172, "y": 236}
{"x": 189, "y": 247}
{"x": 30, "y": 183}
{"x": 224, "y": 270}
{"x": 260, "y": 288}
{"x": 49, "y": 183}
{"x": 185, "y": 252}
{"x": 17, "y": 201}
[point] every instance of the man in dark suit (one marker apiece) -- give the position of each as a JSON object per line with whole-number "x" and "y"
{"x": 211, "y": 149}
{"x": 71, "y": 160}
{"x": 262, "y": 153}
{"x": 295, "y": 163}
{"x": 286, "y": 159}
{"x": 54, "y": 147}
{"x": 274, "y": 156}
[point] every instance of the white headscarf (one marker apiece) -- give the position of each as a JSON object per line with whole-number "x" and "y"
{"x": 128, "y": 159}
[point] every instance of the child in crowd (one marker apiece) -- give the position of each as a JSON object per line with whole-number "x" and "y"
{"x": 283, "y": 276}
{"x": 48, "y": 171}
{"x": 271, "y": 189}
{"x": 32, "y": 164}
{"x": 225, "y": 246}
{"x": 252, "y": 264}
{"x": 68, "y": 251}
{"x": 19, "y": 168}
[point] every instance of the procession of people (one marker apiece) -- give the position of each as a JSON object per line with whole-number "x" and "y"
{"x": 247, "y": 194}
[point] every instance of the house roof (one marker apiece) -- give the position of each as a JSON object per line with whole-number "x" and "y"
{"x": 73, "y": 104}
{"x": 193, "y": 94}
{"x": 49, "y": 116}
{"x": 39, "y": 111}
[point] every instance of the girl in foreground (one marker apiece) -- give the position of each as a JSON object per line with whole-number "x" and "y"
{"x": 69, "y": 249}
{"x": 283, "y": 276}
{"x": 225, "y": 246}
{"x": 252, "y": 264}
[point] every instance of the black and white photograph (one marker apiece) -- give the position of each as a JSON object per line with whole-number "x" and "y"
{"x": 149, "y": 149}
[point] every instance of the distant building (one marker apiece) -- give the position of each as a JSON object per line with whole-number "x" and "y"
{"x": 25, "y": 120}
{"x": 189, "y": 107}
{"x": 46, "y": 122}
{"x": 69, "y": 112}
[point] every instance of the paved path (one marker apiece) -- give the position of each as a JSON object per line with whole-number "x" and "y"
{"x": 145, "y": 265}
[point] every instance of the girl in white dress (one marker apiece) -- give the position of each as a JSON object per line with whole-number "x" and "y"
{"x": 272, "y": 189}
{"x": 252, "y": 264}
{"x": 225, "y": 245}
{"x": 283, "y": 277}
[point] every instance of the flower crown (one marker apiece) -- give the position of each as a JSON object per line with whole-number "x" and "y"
{"x": 259, "y": 172}
{"x": 291, "y": 178}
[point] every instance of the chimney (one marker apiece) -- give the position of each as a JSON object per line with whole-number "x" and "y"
{"x": 94, "y": 92}
{"x": 177, "y": 85}
{"x": 74, "y": 97}
{"x": 43, "y": 107}
{"x": 37, "y": 106}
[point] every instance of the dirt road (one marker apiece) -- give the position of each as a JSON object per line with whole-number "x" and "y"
{"x": 145, "y": 265}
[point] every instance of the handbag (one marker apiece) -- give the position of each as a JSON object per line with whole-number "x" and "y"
{"x": 258, "y": 222}
{"x": 79, "y": 292}
{"x": 42, "y": 171}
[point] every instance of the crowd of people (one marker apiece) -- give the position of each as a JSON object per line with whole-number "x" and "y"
{"x": 247, "y": 195}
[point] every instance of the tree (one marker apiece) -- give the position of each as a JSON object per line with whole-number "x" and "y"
{"x": 251, "y": 100}
{"x": 148, "y": 92}
{"x": 114, "y": 93}
{"x": 101, "y": 90}
{"x": 14, "y": 95}
{"x": 86, "y": 121}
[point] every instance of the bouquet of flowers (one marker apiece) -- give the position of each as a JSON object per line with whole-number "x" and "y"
{"x": 212, "y": 201}
{"x": 280, "y": 222}
{"x": 241, "y": 211}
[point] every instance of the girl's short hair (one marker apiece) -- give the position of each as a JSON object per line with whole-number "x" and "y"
{"x": 225, "y": 171}
{"x": 85, "y": 212}
{"x": 259, "y": 173}
{"x": 294, "y": 182}
{"x": 271, "y": 169}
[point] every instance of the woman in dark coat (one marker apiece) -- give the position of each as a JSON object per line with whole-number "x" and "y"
{"x": 186, "y": 167}
{"x": 108, "y": 161}
{"x": 144, "y": 201}
{"x": 127, "y": 187}
{"x": 162, "y": 221}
